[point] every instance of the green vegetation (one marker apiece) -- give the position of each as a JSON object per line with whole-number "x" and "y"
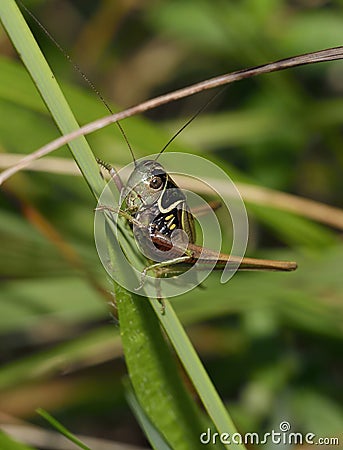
{"x": 270, "y": 342}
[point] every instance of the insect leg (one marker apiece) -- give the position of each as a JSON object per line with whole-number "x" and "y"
{"x": 161, "y": 265}
{"x": 120, "y": 212}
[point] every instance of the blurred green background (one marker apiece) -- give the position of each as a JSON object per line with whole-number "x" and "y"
{"x": 272, "y": 343}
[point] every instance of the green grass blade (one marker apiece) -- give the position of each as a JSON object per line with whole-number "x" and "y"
{"x": 59, "y": 427}
{"x": 196, "y": 372}
{"x": 151, "y": 432}
{"x": 154, "y": 373}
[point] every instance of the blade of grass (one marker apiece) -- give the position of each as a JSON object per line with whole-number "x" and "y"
{"x": 196, "y": 371}
{"x": 59, "y": 427}
{"x": 151, "y": 432}
{"x": 154, "y": 373}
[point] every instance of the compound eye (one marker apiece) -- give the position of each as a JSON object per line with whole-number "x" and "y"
{"x": 156, "y": 183}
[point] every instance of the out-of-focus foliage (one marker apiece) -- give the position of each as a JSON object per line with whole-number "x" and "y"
{"x": 271, "y": 342}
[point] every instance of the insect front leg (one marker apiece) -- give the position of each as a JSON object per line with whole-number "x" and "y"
{"x": 125, "y": 214}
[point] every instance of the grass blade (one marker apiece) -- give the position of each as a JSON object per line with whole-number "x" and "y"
{"x": 59, "y": 427}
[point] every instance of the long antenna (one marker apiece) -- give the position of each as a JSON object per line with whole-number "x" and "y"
{"x": 80, "y": 71}
{"x": 190, "y": 121}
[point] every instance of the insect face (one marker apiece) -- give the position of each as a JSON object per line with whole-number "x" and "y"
{"x": 145, "y": 185}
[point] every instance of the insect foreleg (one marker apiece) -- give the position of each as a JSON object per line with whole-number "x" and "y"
{"x": 126, "y": 215}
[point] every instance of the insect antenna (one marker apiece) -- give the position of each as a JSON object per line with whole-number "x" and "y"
{"x": 81, "y": 73}
{"x": 189, "y": 121}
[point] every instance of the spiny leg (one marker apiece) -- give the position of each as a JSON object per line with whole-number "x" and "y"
{"x": 120, "y": 212}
